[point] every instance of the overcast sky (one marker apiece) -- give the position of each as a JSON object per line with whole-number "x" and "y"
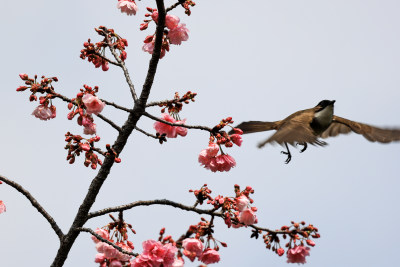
{"x": 252, "y": 60}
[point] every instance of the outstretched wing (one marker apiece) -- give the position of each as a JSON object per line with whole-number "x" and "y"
{"x": 255, "y": 126}
{"x": 374, "y": 134}
{"x": 293, "y": 132}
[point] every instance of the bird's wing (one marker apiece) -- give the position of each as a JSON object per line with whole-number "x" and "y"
{"x": 255, "y": 126}
{"x": 293, "y": 132}
{"x": 373, "y": 134}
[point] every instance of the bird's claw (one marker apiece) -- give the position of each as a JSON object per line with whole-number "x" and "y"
{"x": 289, "y": 156}
{"x": 304, "y": 147}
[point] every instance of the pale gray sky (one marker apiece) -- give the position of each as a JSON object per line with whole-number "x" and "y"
{"x": 254, "y": 60}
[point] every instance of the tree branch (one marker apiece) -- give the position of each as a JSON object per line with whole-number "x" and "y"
{"x": 116, "y": 106}
{"x": 36, "y": 204}
{"x": 164, "y": 202}
{"x": 146, "y": 133}
{"x": 116, "y": 127}
{"x": 180, "y": 2}
{"x": 106, "y": 241}
{"x": 177, "y": 124}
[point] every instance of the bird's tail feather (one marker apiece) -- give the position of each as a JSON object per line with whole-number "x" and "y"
{"x": 255, "y": 126}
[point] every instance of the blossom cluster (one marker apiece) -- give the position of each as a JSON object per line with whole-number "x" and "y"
{"x": 95, "y": 53}
{"x": 175, "y": 105}
{"x": 237, "y": 210}
{"x": 75, "y": 147}
{"x": 168, "y": 130}
{"x": 299, "y": 234}
{"x": 46, "y": 110}
{"x": 209, "y": 157}
{"x": 176, "y": 33}
{"x": 84, "y": 105}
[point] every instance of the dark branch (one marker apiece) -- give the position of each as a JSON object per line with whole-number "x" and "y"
{"x": 110, "y": 61}
{"x": 146, "y": 133}
{"x": 116, "y": 127}
{"x": 116, "y": 106}
{"x": 164, "y": 202}
{"x": 98, "y": 150}
{"x": 106, "y": 241}
{"x": 180, "y": 2}
{"x": 177, "y": 124}
{"x": 36, "y": 204}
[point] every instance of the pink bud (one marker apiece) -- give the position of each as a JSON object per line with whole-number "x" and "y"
{"x": 105, "y": 66}
{"x": 280, "y": 251}
{"x": 21, "y": 88}
{"x": 23, "y": 76}
{"x": 310, "y": 243}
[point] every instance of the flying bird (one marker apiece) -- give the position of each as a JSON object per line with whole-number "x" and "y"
{"x": 308, "y": 126}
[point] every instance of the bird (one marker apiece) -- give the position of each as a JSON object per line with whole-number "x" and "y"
{"x": 308, "y": 126}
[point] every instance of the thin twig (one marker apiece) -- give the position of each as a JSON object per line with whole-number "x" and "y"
{"x": 116, "y": 127}
{"x": 158, "y": 103}
{"x": 204, "y": 128}
{"x": 116, "y": 106}
{"x": 125, "y": 70}
{"x": 36, "y": 204}
{"x": 98, "y": 150}
{"x": 82, "y": 229}
{"x": 106, "y": 59}
{"x": 146, "y": 133}
{"x": 180, "y": 2}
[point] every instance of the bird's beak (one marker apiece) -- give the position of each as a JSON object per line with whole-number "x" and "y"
{"x": 333, "y": 102}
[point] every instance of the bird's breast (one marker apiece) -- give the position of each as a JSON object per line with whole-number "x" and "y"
{"x": 322, "y": 120}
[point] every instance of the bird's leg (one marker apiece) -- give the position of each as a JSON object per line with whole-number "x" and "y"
{"x": 304, "y": 146}
{"x": 289, "y": 155}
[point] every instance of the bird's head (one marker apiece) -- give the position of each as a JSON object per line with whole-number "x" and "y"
{"x": 325, "y": 103}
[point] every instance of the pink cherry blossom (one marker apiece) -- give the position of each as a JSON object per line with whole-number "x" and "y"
{"x": 149, "y": 47}
{"x": 155, "y": 254}
{"x": 236, "y": 139}
{"x": 44, "y": 113}
{"x": 93, "y": 104}
{"x": 298, "y": 254}
{"x": 127, "y": 6}
{"x": 101, "y": 232}
{"x": 170, "y": 131}
{"x": 178, "y": 262}
{"x": 247, "y": 217}
{"x": 115, "y": 263}
{"x": 242, "y": 202}
{"x": 90, "y": 129}
{"x": 178, "y": 34}
{"x": 210, "y": 256}
{"x": 192, "y": 248}
{"x": 154, "y": 16}
{"x": 100, "y": 257}
{"x": 171, "y": 21}
{"x": 210, "y": 161}
{"x": 2, "y": 206}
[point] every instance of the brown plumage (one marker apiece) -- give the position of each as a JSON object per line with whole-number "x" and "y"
{"x": 309, "y": 125}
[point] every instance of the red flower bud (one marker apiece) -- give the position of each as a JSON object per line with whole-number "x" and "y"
{"x": 21, "y": 88}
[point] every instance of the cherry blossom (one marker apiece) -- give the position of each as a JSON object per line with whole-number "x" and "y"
{"x": 90, "y": 129}
{"x": 242, "y": 202}
{"x": 210, "y": 161}
{"x": 178, "y": 262}
{"x": 210, "y": 256}
{"x": 298, "y": 254}
{"x": 127, "y": 6}
{"x": 2, "y": 207}
{"x": 44, "y": 113}
{"x": 280, "y": 251}
{"x": 192, "y": 248}
{"x": 170, "y": 131}
{"x": 93, "y": 104}
{"x": 178, "y": 34}
{"x": 149, "y": 47}
{"x": 248, "y": 217}
{"x": 155, "y": 254}
{"x": 171, "y": 21}
{"x": 101, "y": 232}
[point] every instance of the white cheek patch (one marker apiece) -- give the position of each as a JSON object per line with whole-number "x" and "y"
{"x": 325, "y": 116}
